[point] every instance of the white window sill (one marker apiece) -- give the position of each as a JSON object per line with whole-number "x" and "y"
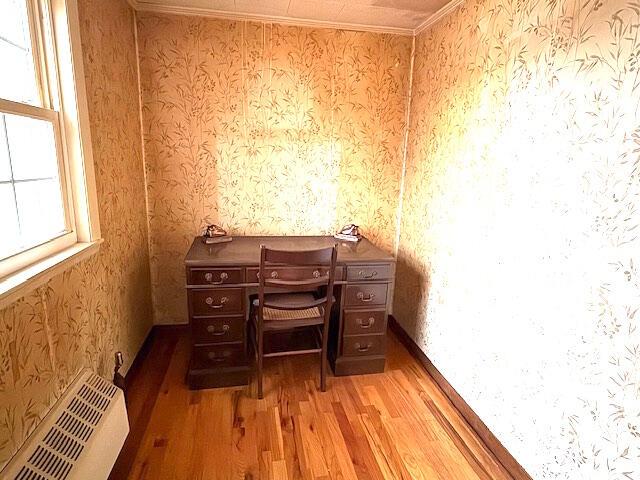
{"x": 19, "y": 284}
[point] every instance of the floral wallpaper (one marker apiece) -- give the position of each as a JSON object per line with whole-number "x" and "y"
{"x": 266, "y": 129}
{"x": 102, "y": 305}
{"x": 519, "y": 249}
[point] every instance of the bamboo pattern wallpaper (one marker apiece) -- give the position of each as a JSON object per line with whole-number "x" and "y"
{"x": 518, "y": 242}
{"x": 266, "y": 129}
{"x": 83, "y": 316}
{"x": 519, "y": 250}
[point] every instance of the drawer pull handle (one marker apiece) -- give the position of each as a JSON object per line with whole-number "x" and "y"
{"x": 212, "y": 330}
{"x": 316, "y": 274}
{"x": 362, "y": 298}
{"x": 363, "y": 348}
{"x": 209, "y": 278}
{"x": 368, "y": 324}
{"x": 209, "y": 301}
{"x": 371, "y": 275}
{"x": 274, "y": 274}
{"x": 212, "y": 356}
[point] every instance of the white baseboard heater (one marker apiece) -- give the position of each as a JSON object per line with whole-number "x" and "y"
{"x": 80, "y": 437}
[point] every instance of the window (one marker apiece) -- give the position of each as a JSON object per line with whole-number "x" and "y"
{"x": 47, "y": 192}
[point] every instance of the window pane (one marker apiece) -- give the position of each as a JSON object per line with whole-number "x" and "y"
{"x": 10, "y": 238}
{"x": 40, "y": 211}
{"x": 18, "y": 80}
{"x": 5, "y": 168}
{"x": 13, "y": 22}
{"x": 33, "y": 211}
{"x": 32, "y": 148}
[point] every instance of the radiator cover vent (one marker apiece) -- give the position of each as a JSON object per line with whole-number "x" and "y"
{"x": 101, "y": 385}
{"x": 55, "y": 448}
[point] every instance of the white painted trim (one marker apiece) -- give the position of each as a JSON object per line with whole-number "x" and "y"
{"x": 405, "y": 145}
{"x": 66, "y": 27}
{"x": 32, "y": 254}
{"x": 143, "y": 150}
{"x": 26, "y": 110}
{"x": 19, "y": 284}
{"x": 439, "y": 15}
{"x": 142, "y": 5}
{"x": 300, "y": 22}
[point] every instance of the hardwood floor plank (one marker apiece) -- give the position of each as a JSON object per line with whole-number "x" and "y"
{"x": 391, "y": 405}
{"x": 279, "y": 470}
{"x": 413, "y": 450}
{"x": 275, "y": 434}
{"x": 309, "y": 442}
{"x": 357, "y": 446}
{"x": 387, "y": 456}
{"x": 393, "y": 425}
{"x": 243, "y": 437}
{"x": 287, "y": 427}
{"x": 266, "y": 465}
{"x": 411, "y": 404}
{"x": 335, "y": 449}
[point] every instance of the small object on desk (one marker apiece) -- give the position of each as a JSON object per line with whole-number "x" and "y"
{"x": 215, "y": 234}
{"x": 349, "y": 233}
{"x": 213, "y": 240}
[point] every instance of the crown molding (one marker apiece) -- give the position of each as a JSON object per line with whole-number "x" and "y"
{"x": 439, "y": 15}
{"x": 256, "y": 17}
{"x": 142, "y": 5}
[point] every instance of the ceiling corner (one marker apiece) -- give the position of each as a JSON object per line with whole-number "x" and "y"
{"x": 437, "y": 16}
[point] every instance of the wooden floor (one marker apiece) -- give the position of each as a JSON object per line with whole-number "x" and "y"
{"x": 397, "y": 424}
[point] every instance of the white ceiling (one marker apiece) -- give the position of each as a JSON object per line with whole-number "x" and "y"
{"x": 399, "y": 16}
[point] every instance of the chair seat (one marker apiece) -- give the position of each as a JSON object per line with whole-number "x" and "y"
{"x": 289, "y": 301}
{"x": 270, "y": 314}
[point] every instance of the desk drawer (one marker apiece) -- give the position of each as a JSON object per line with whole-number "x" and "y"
{"x": 215, "y": 276}
{"x": 361, "y": 322}
{"x": 368, "y": 272}
{"x": 217, "y": 330}
{"x": 217, "y": 301}
{"x": 207, "y": 356}
{"x": 361, "y": 345}
{"x": 292, "y": 273}
{"x": 364, "y": 294}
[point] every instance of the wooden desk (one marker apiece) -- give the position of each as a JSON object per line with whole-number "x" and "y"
{"x": 220, "y": 279}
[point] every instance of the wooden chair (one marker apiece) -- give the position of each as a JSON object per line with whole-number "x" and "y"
{"x": 298, "y": 299}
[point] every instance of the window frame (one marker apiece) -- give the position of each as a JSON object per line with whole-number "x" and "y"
{"x": 56, "y": 47}
{"x": 68, "y": 237}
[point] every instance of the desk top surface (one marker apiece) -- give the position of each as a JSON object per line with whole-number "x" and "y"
{"x": 244, "y": 250}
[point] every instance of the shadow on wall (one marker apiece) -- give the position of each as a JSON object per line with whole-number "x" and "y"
{"x": 411, "y": 298}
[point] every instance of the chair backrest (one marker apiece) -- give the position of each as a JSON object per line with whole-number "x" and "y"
{"x": 278, "y": 271}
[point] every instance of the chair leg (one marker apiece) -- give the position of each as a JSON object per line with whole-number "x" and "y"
{"x": 260, "y": 354}
{"x": 323, "y": 373}
{"x": 323, "y": 361}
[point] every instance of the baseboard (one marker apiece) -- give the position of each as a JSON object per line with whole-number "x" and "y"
{"x": 144, "y": 351}
{"x": 139, "y": 358}
{"x": 142, "y": 382}
{"x": 493, "y": 444}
